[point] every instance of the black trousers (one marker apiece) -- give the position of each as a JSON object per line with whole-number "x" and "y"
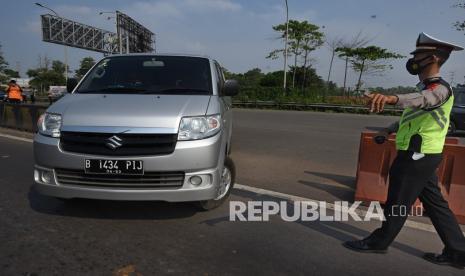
{"x": 411, "y": 179}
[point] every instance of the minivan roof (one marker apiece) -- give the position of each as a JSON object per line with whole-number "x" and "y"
{"x": 162, "y": 54}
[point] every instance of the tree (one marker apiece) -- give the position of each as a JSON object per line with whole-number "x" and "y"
{"x": 11, "y": 73}
{"x": 359, "y": 40}
{"x": 304, "y": 37}
{"x": 332, "y": 44}
{"x": 369, "y": 60}
{"x": 460, "y": 25}
{"x": 45, "y": 75}
{"x": 307, "y": 77}
{"x": 86, "y": 64}
{"x": 3, "y": 66}
{"x": 312, "y": 40}
{"x": 272, "y": 79}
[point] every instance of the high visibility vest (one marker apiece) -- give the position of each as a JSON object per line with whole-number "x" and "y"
{"x": 425, "y": 130}
{"x": 14, "y": 92}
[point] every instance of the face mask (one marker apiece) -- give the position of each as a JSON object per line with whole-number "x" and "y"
{"x": 413, "y": 66}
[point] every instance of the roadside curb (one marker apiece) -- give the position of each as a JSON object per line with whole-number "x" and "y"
{"x": 14, "y": 134}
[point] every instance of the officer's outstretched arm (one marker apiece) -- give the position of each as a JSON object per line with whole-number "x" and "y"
{"x": 425, "y": 99}
{"x": 378, "y": 101}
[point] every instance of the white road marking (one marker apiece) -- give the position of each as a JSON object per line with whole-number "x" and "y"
{"x": 330, "y": 206}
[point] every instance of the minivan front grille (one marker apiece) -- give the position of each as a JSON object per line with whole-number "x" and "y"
{"x": 120, "y": 144}
{"x": 148, "y": 180}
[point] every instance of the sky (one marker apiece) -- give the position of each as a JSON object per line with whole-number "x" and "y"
{"x": 239, "y": 34}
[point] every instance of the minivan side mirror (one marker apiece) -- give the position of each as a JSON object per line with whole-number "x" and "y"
{"x": 71, "y": 84}
{"x": 231, "y": 88}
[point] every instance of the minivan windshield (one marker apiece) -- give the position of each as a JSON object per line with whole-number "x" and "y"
{"x": 176, "y": 75}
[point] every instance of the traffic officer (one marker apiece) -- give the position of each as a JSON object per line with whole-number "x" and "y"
{"x": 421, "y": 133}
{"x": 14, "y": 92}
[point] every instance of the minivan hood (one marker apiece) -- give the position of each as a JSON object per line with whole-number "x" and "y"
{"x": 123, "y": 110}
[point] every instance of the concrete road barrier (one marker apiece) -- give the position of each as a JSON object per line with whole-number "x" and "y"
{"x": 375, "y": 160}
{"x": 20, "y": 116}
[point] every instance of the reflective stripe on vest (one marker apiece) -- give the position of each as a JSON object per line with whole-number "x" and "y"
{"x": 431, "y": 125}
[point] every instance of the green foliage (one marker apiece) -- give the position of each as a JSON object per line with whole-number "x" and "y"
{"x": 273, "y": 79}
{"x": 303, "y": 38}
{"x": 85, "y": 65}
{"x": 369, "y": 60}
{"x": 6, "y": 73}
{"x": 11, "y": 73}
{"x": 299, "y": 31}
{"x": 460, "y": 25}
{"x": 46, "y": 76}
{"x": 3, "y": 66}
{"x": 394, "y": 90}
{"x": 305, "y": 78}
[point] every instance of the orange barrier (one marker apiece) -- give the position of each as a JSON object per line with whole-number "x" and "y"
{"x": 375, "y": 160}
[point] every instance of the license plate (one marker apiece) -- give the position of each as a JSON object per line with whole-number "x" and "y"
{"x": 105, "y": 166}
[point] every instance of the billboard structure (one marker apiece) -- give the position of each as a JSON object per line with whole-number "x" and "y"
{"x": 130, "y": 36}
{"x": 135, "y": 38}
{"x": 63, "y": 31}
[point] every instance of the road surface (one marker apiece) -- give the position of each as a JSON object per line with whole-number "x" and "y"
{"x": 306, "y": 154}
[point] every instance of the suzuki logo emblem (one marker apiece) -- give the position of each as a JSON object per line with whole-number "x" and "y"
{"x": 114, "y": 142}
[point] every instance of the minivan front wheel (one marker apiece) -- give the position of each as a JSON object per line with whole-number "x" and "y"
{"x": 228, "y": 177}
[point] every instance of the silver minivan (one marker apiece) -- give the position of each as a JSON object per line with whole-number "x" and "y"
{"x": 140, "y": 127}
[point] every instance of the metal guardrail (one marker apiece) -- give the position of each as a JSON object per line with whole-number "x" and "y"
{"x": 309, "y": 106}
{"x": 20, "y": 116}
{"x": 25, "y": 116}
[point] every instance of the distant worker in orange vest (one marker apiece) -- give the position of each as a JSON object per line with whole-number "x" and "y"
{"x": 14, "y": 92}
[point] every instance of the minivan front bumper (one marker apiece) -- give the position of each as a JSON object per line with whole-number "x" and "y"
{"x": 202, "y": 158}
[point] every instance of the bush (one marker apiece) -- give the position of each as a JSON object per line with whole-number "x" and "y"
{"x": 309, "y": 95}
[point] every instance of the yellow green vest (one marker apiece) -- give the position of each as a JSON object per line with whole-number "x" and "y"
{"x": 431, "y": 125}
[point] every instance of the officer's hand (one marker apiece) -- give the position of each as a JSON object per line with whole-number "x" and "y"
{"x": 381, "y": 136}
{"x": 377, "y": 101}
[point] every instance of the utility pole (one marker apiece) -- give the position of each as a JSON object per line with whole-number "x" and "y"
{"x": 285, "y": 47}
{"x": 66, "y": 47}
{"x": 118, "y": 31}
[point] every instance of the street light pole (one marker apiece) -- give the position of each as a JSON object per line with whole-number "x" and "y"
{"x": 285, "y": 47}
{"x": 66, "y": 47}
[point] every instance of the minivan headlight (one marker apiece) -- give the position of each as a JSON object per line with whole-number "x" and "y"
{"x": 194, "y": 128}
{"x": 49, "y": 124}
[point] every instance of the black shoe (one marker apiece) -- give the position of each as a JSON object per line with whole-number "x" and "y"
{"x": 363, "y": 246}
{"x": 443, "y": 259}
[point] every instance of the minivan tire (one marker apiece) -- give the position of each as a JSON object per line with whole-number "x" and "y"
{"x": 229, "y": 175}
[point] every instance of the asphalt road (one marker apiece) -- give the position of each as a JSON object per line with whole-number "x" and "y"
{"x": 312, "y": 154}
{"x": 45, "y": 236}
